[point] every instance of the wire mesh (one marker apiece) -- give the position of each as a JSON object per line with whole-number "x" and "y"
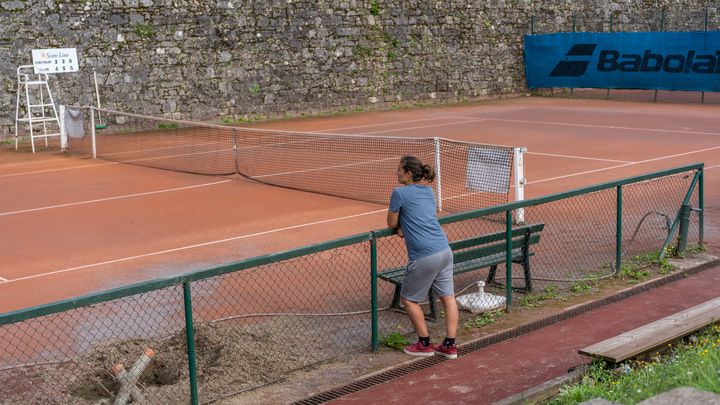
{"x": 257, "y": 321}
{"x": 67, "y": 357}
{"x": 470, "y": 175}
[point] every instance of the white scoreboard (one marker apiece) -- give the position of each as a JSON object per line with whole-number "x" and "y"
{"x": 62, "y": 60}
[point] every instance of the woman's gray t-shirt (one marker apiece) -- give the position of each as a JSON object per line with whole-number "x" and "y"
{"x": 423, "y": 234}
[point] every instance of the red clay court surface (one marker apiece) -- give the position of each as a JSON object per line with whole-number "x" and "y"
{"x": 73, "y": 225}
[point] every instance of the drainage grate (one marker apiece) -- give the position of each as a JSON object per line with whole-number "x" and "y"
{"x": 499, "y": 337}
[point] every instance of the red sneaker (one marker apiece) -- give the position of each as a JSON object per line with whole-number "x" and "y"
{"x": 447, "y": 352}
{"x": 419, "y": 350}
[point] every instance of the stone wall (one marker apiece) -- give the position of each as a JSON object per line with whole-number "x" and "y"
{"x": 197, "y": 59}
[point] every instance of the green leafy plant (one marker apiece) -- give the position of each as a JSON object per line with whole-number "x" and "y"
{"x": 144, "y": 30}
{"x": 693, "y": 363}
{"x": 486, "y": 318}
{"x": 255, "y": 88}
{"x": 374, "y": 7}
{"x": 167, "y": 125}
{"x": 535, "y": 300}
{"x": 394, "y": 341}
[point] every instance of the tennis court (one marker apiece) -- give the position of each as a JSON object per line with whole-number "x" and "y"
{"x": 73, "y": 225}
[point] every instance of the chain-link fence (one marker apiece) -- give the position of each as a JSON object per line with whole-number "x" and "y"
{"x": 676, "y": 17}
{"x": 255, "y": 321}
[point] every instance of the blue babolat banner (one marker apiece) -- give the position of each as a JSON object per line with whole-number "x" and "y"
{"x": 624, "y": 60}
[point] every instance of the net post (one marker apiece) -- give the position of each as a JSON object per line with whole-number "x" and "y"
{"x": 92, "y": 132}
{"x": 438, "y": 176}
{"x": 519, "y": 170}
{"x": 63, "y": 132}
{"x": 236, "y": 160}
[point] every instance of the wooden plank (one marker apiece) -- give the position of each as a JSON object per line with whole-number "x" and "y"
{"x": 655, "y": 334}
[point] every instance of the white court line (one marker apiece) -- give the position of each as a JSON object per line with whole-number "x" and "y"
{"x": 57, "y": 170}
{"x": 326, "y": 167}
{"x": 626, "y": 164}
{"x": 4, "y": 165}
{"x": 119, "y": 197}
{"x": 3, "y": 280}
{"x": 600, "y": 170}
{"x": 215, "y": 242}
{"x": 670, "y": 131}
{"x": 382, "y": 124}
{"x": 577, "y": 157}
{"x": 424, "y": 126}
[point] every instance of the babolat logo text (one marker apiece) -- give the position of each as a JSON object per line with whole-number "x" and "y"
{"x": 578, "y": 60}
{"x": 574, "y": 68}
{"x": 611, "y": 60}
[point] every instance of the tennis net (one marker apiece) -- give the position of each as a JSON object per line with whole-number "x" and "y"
{"x": 360, "y": 167}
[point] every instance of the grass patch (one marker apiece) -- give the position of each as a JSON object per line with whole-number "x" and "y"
{"x": 167, "y": 125}
{"x": 394, "y": 341}
{"x": 486, "y": 318}
{"x": 535, "y": 300}
{"x": 692, "y": 363}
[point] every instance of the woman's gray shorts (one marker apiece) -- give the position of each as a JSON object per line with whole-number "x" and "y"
{"x": 434, "y": 271}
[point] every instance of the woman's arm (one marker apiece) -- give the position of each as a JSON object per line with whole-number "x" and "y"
{"x": 393, "y": 219}
{"x": 394, "y": 222}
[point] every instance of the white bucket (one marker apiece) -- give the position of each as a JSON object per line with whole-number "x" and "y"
{"x": 480, "y": 301}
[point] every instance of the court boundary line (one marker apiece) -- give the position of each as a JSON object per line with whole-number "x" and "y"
{"x": 120, "y": 197}
{"x": 188, "y": 247}
{"x": 578, "y": 157}
{"x": 568, "y": 124}
{"x": 382, "y": 124}
{"x": 58, "y": 169}
{"x": 625, "y": 165}
{"x": 3, "y": 280}
{"x": 129, "y": 258}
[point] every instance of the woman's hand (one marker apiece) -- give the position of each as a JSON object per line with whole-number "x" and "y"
{"x": 400, "y": 232}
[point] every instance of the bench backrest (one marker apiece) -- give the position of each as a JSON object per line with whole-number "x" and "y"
{"x": 494, "y": 243}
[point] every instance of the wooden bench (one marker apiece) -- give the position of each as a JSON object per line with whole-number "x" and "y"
{"x": 656, "y": 334}
{"x": 477, "y": 253}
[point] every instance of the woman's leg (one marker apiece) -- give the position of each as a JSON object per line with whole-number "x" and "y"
{"x": 417, "y": 317}
{"x": 451, "y": 315}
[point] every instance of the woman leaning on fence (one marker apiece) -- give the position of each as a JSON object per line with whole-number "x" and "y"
{"x": 430, "y": 265}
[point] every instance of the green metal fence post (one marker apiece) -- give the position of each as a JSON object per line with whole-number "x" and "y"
{"x": 662, "y": 20}
{"x": 618, "y": 230}
{"x": 190, "y": 344}
{"x": 373, "y": 293}
{"x": 532, "y": 25}
{"x": 508, "y": 260}
{"x": 686, "y": 201}
{"x": 701, "y": 207}
{"x": 683, "y": 233}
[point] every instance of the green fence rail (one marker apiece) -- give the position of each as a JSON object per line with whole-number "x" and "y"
{"x": 230, "y": 329}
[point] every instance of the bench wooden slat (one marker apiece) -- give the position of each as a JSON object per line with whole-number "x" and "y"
{"x": 477, "y": 253}
{"x": 655, "y": 334}
{"x": 498, "y": 236}
{"x": 470, "y": 254}
{"x": 396, "y": 275}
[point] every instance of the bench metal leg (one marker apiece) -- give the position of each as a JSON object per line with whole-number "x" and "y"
{"x": 490, "y": 280}
{"x": 528, "y": 279}
{"x": 396, "y": 298}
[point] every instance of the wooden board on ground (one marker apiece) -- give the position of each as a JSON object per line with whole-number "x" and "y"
{"x": 655, "y": 334}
